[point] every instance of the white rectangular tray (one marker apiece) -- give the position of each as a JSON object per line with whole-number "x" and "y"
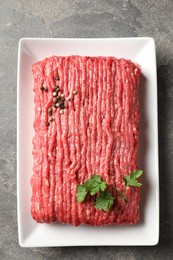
{"x": 146, "y": 232}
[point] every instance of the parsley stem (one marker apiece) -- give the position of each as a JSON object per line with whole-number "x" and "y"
{"x": 122, "y": 195}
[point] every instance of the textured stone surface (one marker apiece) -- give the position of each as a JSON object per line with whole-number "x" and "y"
{"x": 96, "y": 18}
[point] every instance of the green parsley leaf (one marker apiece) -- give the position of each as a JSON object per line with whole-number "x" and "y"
{"x": 132, "y": 179}
{"x": 103, "y": 186}
{"x": 96, "y": 177}
{"x": 104, "y": 201}
{"x": 92, "y": 185}
{"x": 81, "y": 193}
{"x": 96, "y": 184}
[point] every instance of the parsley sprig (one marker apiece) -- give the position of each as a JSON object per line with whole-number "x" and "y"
{"x": 132, "y": 180}
{"x": 92, "y": 185}
{"x": 105, "y": 200}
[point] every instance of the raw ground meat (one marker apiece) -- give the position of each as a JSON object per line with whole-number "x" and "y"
{"x": 96, "y": 134}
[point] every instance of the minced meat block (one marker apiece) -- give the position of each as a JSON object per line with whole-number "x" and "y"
{"x": 86, "y": 122}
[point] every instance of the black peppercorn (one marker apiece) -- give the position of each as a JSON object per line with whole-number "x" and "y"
{"x": 47, "y": 123}
{"x": 42, "y": 88}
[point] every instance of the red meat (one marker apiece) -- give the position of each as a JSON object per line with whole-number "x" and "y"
{"x": 96, "y": 134}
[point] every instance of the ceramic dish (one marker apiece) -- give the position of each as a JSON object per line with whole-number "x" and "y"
{"x": 146, "y": 232}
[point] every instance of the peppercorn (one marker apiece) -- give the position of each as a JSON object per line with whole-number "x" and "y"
{"x": 57, "y": 105}
{"x": 47, "y": 123}
{"x": 62, "y": 106}
{"x": 51, "y": 119}
{"x": 62, "y": 98}
{"x": 68, "y": 98}
{"x": 61, "y": 111}
{"x": 50, "y": 111}
{"x": 74, "y": 92}
{"x": 55, "y": 100}
{"x": 55, "y": 94}
{"x": 56, "y": 87}
{"x": 57, "y": 90}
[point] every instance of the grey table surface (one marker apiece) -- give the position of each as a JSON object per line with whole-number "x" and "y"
{"x": 80, "y": 18}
